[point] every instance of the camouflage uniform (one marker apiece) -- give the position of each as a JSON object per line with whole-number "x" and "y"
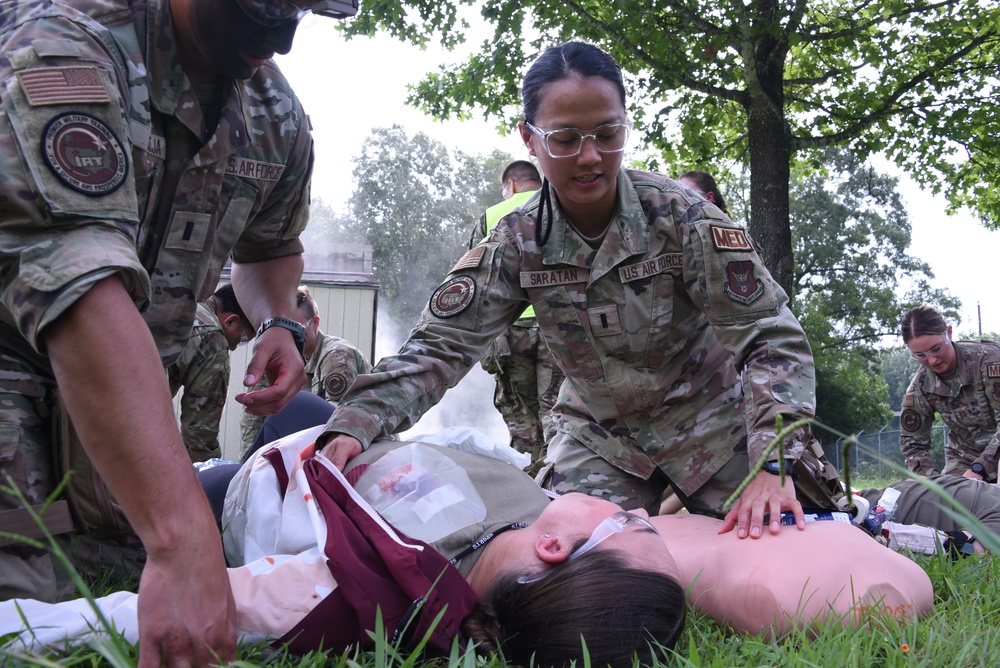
{"x": 108, "y": 166}
{"x": 527, "y": 376}
{"x": 331, "y": 369}
{"x": 968, "y": 402}
{"x": 679, "y": 348}
{"x": 203, "y": 371}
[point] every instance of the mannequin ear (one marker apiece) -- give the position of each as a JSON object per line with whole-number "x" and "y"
{"x": 551, "y": 549}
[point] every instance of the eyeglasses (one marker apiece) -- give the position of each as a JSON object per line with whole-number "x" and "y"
{"x": 568, "y": 142}
{"x": 613, "y": 524}
{"x": 935, "y": 351}
{"x": 271, "y": 13}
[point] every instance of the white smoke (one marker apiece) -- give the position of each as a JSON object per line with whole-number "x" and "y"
{"x": 468, "y": 404}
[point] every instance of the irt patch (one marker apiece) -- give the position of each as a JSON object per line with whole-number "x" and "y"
{"x": 910, "y": 420}
{"x": 336, "y": 385}
{"x": 741, "y": 284}
{"x": 84, "y": 153}
{"x": 453, "y": 297}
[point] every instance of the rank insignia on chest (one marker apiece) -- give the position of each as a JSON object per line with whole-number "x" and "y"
{"x": 741, "y": 284}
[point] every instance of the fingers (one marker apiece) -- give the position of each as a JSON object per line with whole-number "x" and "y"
{"x": 342, "y": 449}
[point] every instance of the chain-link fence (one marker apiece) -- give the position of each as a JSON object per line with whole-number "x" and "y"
{"x": 883, "y": 446}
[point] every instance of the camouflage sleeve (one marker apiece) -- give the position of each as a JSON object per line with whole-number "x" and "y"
{"x": 63, "y": 230}
{"x": 479, "y": 298}
{"x": 750, "y": 316}
{"x": 337, "y": 369}
{"x": 478, "y": 232}
{"x": 204, "y": 375}
{"x": 990, "y": 370}
{"x": 274, "y": 230}
{"x": 916, "y": 418}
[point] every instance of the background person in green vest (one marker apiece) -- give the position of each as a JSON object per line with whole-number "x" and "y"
{"x": 527, "y": 377}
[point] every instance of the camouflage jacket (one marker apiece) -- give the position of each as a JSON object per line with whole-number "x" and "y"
{"x": 109, "y": 167}
{"x": 675, "y": 338}
{"x": 334, "y": 365}
{"x": 203, "y": 371}
{"x": 968, "y": 402}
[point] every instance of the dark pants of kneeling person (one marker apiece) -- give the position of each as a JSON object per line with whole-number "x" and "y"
{"x": 305, "y": 410}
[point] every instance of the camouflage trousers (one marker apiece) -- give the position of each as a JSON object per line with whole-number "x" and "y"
{"x": 528, "y": 381}
{"x": 573, "y": 467}
{"x": 30, "y": 424}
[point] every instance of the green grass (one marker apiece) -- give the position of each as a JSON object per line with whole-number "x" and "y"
{"x": 960, "y": 631}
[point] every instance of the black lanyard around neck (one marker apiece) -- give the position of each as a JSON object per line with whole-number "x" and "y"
{"x": 484, "y": 540}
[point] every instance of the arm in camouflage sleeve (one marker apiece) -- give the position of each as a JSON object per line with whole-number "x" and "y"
{"x": 480, "y": 298}
{"x": 340, "y": 364}
{"x": 750, "y": 316}
{"x": 205, "y": 379}
{"x": 915, "y": 421}
{"x": 990, "y": 370}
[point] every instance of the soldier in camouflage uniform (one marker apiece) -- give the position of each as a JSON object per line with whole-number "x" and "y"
{"x": 527, "y": 377}
{"x": 959, "y": 380}
{"x": 679, "y": 349}
{"x": 332, "y": 364}
{"x": 136, "y": 157}
{"x": 203, "y": 371}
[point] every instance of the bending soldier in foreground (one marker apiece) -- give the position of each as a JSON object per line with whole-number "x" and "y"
{"x": 140, "y": 147}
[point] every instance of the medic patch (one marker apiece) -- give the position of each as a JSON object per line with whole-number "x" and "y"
{"x": 63, "y": 85}
{"x": 993, "y": 370}
{"x": 910, "y": 420}
{"x": 470, "y": 260}
{"x": 741, "y": 284}
{"x": 453, "y": 297}
{"x": 657, "y": 265}
{"x": 730, "y": 239}
{"x": 84, "y": 153}
{"x": 336, "y": 385}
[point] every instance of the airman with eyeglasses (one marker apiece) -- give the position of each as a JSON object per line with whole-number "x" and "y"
{"x": 960, "y": 381}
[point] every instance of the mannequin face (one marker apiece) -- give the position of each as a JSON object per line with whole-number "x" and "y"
{"x": 571, "y": 519}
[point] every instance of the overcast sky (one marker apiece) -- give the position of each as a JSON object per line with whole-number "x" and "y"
{"x": 349, "y": 88}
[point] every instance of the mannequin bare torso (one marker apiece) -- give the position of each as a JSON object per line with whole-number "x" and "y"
{"x": 781, "y": 581}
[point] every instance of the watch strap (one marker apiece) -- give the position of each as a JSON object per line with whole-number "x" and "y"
{"x": 296, "y": 328}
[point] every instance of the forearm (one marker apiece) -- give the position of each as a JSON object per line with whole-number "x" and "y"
{"x": 112, "y": 382}
{"x": 267, "y": 289}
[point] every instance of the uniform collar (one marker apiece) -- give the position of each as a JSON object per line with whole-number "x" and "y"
{"x": 628, "y": 235}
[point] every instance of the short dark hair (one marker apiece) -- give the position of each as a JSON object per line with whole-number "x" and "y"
{"x": 521, "y": 172}
{"x": 706, "y": 183}
{"x": 226, "y": 302}
{"x": 619, "y": 611}
{"x": 921, "y": 321}
{"x": 562, "y": 62}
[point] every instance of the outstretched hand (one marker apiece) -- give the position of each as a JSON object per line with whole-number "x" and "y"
{"x": 764, "y": 494}
{"x": 274, "y": 354}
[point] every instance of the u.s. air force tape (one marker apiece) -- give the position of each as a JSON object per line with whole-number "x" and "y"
{"x": 84, "y": 153}
{"x": 453, "y": 297}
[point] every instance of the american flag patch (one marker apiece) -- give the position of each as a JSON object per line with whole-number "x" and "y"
{"x": 470, "y": 260}
{"x": 63, "y": 85}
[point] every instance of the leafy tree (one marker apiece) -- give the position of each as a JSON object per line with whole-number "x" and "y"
{"x": 416, "y": 206}
{"x": 897, "y": 368}
{"x": 759, "y": 81}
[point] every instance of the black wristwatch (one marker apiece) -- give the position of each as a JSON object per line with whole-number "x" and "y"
{"x": 774, "y": 467}
{"x": 978, "y": 469}
{"x": 296, "y": 328}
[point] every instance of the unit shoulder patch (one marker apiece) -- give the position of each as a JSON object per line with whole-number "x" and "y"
{"x": 453, "y": 296}
{"x": 84, "y": 153}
